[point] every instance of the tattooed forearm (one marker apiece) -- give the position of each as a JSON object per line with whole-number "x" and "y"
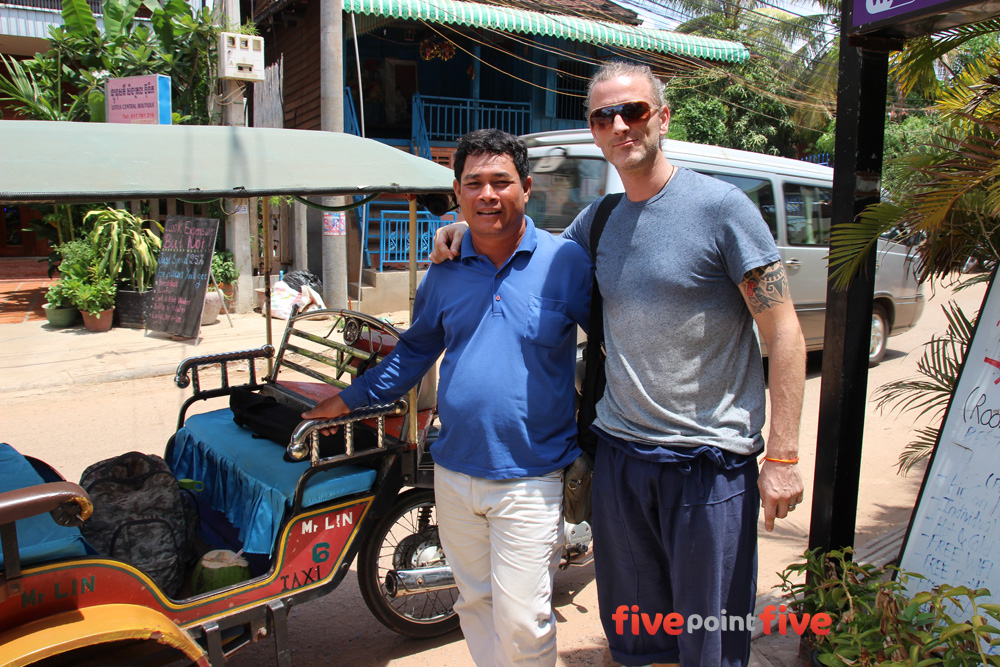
{"x": 765, "y": 286}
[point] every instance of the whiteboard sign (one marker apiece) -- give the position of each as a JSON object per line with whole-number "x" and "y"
{"x": 954, "y": 537}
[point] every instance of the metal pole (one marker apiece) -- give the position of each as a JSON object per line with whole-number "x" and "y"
{"x": 238, "y": 222}
{"x": 331, "y": 45}
{"x": 861, "y": 101}
{"x": 413, "y": 296}
{"x": 266, "y": 254}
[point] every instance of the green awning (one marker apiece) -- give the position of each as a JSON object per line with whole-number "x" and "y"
{"x": 79, "y": 162}
{"x": 506, "y": 19}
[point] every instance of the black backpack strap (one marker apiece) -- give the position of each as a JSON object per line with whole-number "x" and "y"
{"x": 600, "y": 219}
{"x": 593, "y": 377}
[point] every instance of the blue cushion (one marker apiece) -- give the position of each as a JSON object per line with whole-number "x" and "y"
{"x": 248, "y": 480}
{"x": 39, "y": 538}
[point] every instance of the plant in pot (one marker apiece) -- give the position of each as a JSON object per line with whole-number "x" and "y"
{"x": 873, "y": 618}
{"x": 128, "y": 248}
{"x": 226, "y": 274}
{"x": 96, "y": 300}
{"x": 60, "y": 311}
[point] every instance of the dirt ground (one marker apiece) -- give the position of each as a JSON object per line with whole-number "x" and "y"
{"x": 71, "y": 427}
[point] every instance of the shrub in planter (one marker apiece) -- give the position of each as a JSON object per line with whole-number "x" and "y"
{"x": 127, "y": 247}
{"x": 225, "y": 272}
{"x": 60, "y": 293}
{"x": 78, "y": 259}
{"x": 873, "y": 621}
{"x": 96, "y": 296}
{"x": 60, "y": 311}
{"x": 224, "y": 268}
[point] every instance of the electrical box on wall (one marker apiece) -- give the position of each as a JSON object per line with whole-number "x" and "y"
{"x": 241, "y": 57}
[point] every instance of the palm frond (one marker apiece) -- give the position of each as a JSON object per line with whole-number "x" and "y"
{"x": 928, "y": 393}
{"x": 917, "y": 450}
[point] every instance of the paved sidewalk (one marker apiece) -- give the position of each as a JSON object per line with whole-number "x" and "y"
{"x": 23, "y": 283}
{"x": 34, "y": 355}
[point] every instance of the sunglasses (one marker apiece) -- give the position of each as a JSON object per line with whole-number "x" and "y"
{"x": 631, "y": 112}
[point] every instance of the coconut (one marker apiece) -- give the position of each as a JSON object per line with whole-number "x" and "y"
{"x": 219, "y": 569}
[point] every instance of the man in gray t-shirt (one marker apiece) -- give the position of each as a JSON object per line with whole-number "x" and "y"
{"x": 686, "y": 267}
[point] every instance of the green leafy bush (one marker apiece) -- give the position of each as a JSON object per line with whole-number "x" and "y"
{"x": 77, "y": 259}
{"x": 61, "y": 293}
{"x": 127, "y": 247}
{"x": 224, "y": 268}
{"x": 96, "y": 296}
{"x": 874, "y": 622}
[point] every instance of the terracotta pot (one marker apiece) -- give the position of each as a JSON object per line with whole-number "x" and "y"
{"x": 64, "y": 316}
{"x": 230, "y": 291}
{"x": 99, "y": 322}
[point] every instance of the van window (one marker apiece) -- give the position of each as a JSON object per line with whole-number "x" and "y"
{"x": 561, "y": 187}
{"x": 807, "y": 214}
{"x": 760, "y": 191}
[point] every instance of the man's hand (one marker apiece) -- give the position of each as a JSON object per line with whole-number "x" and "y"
{"x": 330, "y": 408}
{"x": 448, "y": 242}
{"x": 781, "y": 489}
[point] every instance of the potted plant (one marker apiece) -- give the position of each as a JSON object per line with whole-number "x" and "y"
{"x": 60, "y": 311}
{"x": 226, "y": 274}
{"x": 873, "y": 617}
{"x": 96, "y": 300}
{"x": 127, "y": 250}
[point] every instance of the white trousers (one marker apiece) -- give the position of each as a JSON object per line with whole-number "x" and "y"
{"x": 503, "y": 540}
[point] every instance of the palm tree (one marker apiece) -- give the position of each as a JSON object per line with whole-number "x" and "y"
{"x": 951, "y": 204}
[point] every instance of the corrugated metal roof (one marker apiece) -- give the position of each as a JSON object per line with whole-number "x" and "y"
{"x": 507, "y": 19}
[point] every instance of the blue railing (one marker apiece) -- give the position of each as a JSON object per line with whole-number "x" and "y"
{"x": 418, "y": 133}
{"x": 394, "y": 236}
{"x": 351, "y": 125}
{"x": 448, "y": 118}
{"x": 819, "y": 158}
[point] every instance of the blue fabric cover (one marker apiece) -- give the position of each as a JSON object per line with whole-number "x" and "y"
{"x": 247, "y": 479}
{"x": 39, "y": 538}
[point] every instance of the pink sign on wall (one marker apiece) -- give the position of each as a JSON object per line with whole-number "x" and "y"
{"x": 138, "y": 99}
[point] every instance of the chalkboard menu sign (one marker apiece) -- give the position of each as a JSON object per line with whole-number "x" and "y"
{"x": 182, "y": 275}
{"x": 954, "y": 534}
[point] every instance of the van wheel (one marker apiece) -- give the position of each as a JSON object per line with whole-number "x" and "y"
{"x": 880, "y": 336}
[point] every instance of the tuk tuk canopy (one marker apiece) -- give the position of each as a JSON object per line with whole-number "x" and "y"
{"x": 49, "y": 161}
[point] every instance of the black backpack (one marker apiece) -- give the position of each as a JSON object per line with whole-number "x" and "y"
{"x": 141, "y": 517}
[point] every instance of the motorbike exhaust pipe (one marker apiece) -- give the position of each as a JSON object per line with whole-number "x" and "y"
{"x": 400, "y": 583}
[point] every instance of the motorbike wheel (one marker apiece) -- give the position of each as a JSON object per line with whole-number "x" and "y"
{"x": 406, "y": 537}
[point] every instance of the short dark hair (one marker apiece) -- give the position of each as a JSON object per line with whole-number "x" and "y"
{"x": 492, "y": 142}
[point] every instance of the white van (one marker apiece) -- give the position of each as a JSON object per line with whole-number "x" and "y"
{"x": 568, "y": 172}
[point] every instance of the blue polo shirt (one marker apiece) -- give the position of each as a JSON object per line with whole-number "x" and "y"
{"x": 506, "y": 392}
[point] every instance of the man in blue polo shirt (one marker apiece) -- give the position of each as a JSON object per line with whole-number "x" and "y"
{"x": 505, "y": 316}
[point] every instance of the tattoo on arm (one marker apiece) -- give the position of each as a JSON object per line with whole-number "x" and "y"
{"x": 765, "y": 286}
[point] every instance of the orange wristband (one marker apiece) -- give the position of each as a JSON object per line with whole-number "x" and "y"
{"x": 773, "y": 460}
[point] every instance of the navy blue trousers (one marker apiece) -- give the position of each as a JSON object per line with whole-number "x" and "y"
{"x": 675, "y": 538}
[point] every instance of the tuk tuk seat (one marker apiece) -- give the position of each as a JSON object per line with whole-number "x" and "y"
{"x": 39, "y": 538}
{"x": 249, "y": 481}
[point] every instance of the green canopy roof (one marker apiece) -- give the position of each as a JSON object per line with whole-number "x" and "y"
{"x": 507, "y": 19}
{"x": 87, "y": 162}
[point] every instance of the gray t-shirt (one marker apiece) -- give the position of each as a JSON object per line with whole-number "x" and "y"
{"x": 684, "y": 366}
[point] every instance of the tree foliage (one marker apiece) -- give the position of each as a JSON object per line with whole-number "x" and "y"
{"x": 67, "y": 81}
{"x": 740, "y": 110}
